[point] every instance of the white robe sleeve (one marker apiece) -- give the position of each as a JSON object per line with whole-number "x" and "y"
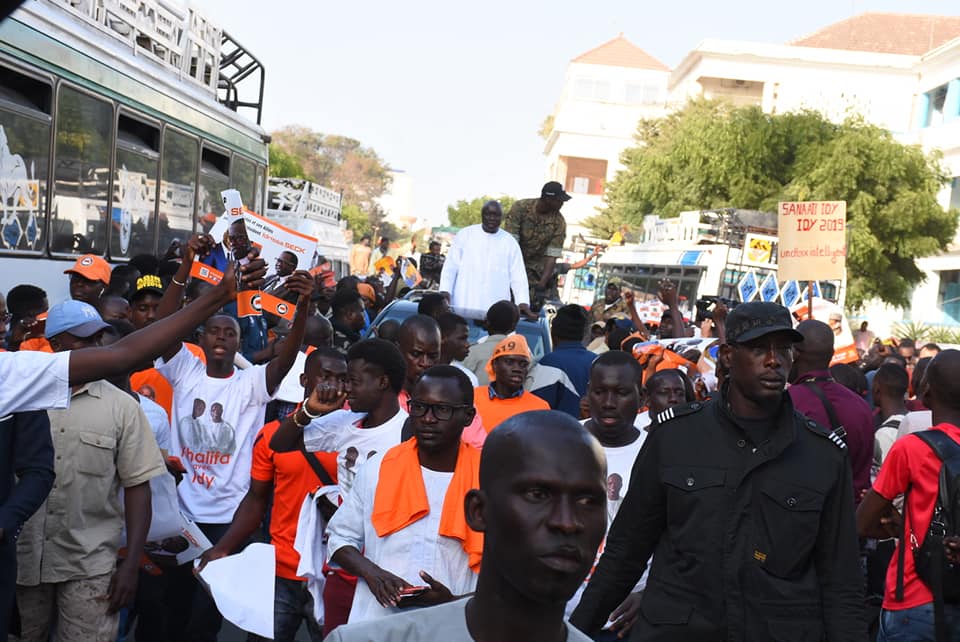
{"x": 518, "y": 276}
{"x": 451, "y": 266}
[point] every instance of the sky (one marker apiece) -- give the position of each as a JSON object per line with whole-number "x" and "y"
{"x": 453, "y": 93}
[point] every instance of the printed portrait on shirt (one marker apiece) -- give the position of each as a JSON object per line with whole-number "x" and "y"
{"x": 206, "y": 431}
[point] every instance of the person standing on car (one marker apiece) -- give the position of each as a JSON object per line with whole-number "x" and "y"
{"x": 484, "y": 265}
{"x": 746, "y": 508}
{"x": 540, "y": 229}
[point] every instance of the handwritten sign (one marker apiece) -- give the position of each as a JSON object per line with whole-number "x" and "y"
{"x": 812, "y": 240}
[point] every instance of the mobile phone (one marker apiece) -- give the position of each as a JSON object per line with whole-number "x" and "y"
{"x": 413, "y": 591}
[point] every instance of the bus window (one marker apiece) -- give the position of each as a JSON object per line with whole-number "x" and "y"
{"x": 260, "y": 207}
{"x": 132, "y": 230}
{"x": 243, "y": 176}
{"x": 81, "y": 174}
{"x": 24, "y": 160}
{"x": 178, "y": 187}
{"x": 214, "y": 178}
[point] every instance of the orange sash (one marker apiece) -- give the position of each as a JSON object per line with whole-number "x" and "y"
{"x": 401, "y": 497}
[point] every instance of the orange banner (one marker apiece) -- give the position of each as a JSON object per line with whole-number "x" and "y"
{"x": 205, "y": 273}
{"x": 248, "y": 303}
{"x": 277, "y": 306}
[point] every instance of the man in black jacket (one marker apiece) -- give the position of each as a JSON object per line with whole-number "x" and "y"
{"x": 746, "y": 507}
{"x": 26, "y": 476}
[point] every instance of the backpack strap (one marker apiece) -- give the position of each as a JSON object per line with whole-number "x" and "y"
{"x": 318, "y": 469}
{"x": 944, "y": 447}
{"x": 835, "y": 424}
{"x": 901, "y": 550}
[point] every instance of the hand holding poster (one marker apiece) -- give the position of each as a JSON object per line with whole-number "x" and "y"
{"x": 812, "y": 240}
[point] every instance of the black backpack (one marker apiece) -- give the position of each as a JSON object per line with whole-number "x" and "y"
{"x": 933, "y": 567}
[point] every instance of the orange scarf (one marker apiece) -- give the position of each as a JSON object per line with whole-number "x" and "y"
{"x": 401, "y": 497}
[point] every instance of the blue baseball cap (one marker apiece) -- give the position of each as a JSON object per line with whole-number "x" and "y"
{"x": 76, "y": 317}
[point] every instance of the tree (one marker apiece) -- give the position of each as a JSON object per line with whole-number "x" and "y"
{"x": 337, "y": 162}
{"x": 464, "y": 213}
{"x": 285, "y": 164}
{"x": 712, "y": 154}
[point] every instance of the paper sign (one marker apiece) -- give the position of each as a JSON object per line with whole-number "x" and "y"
{"x": 769, "y": 290}
{"x": 278, "y": 307}
{"x": 758, "y": 249}
{"x": 812, "y": 240}
{"x": 748, "y": 286}
{"x": 206, "y": 273}
{"x": 790, "y": 294}
{"x": 242, "y": 586}
{"x": 410, "y": 274}
{"x": 248, "y": 303}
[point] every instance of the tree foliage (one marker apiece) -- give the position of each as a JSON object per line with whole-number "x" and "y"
{"x": 338, "y": 162}
{"x": 464, "y": 212}
{"x": 712, "y": 154}
{"x": 285, "y": 164}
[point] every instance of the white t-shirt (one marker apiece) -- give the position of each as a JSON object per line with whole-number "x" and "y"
{"x": 215, "y": 447}
{"x": 467, "y": 371}
{"x": 341, "y": 432}
{"x": 33, "y": 381}
{"x": 290, "y": 389}
{"x": 416, "y": 547}
{"x": 619, "y": 465}
{"x": 159, "y": 422}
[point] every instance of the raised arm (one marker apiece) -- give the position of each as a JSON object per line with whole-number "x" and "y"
{"x": 123, "y": 356}
{"x": 302, "y": 283}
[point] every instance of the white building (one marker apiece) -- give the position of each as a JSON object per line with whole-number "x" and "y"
{"x": 606, "y": 91}
{"x": 899, "y": 71}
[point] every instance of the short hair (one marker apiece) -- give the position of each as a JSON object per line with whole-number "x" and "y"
{"x": 389, "y": 329}
{"x": 320, "y": 353}
{"x": 907, "y": 342}
{"x": 295, "y": 260}
{"x": 417, "y": 322}
{"x": 852, "y": 378}
{"x": 432, "y": 243}
{"x": 616, "y": 338}
{"x": 660, "y": 375}
{"x": 892, "y": 380}
{"x": 365, "y": 236}
{"x": 919, "y": 370}
{"x": 430, "y": 303}
{"x": 342, "y": 301}
{"x": 146, "y": 264}
{"x": 570, "y": 323}
{"x": 385, "y": 356}
{"x": 123, "y": 279}
{"x": 933, "y": 347}
{"x": 615, "y": 359}
{"x": 464, "y": 387}
{"x": 502, "y": 317}
{"x": 449, "y": 322}
{"x": 22, "y": 298}
{"x": 347, "y": 283}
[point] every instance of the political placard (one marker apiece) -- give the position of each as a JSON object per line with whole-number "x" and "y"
{"x": 747, "y": 288}
{"x": 769, "y": 290}
{"x": 812, "y": 240}
{"x": 790, "y": 294}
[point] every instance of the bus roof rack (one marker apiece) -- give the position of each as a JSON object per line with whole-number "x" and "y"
{"x": 236, "y": 65}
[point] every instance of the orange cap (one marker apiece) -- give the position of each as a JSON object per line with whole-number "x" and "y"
{"x": 515, "y": 344}
{"x": 91, "y": 267}
{"x": 367, "y": 292}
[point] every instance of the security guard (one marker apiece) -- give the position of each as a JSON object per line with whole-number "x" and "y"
{"x": 540, "y": 230}
{"x": 746, "y": 508}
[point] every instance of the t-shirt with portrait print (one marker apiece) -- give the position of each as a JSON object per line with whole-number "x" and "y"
{"x": 341, "y": 432}
{"x": 619, "y": 464}
{"x": 214, "y": 423}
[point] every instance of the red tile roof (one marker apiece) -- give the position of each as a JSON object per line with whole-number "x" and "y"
{"x": 620, "y": 52}
{"x": 894, "y": 33}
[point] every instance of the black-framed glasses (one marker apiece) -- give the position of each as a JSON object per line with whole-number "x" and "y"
{"x": 442, "y": 411}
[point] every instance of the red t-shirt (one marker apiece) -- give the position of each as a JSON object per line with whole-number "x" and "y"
{"x": 911, "y": 463}
{"x": 292, "y": 478}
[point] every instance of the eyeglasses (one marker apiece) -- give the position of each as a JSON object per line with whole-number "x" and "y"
{"x": 441, "y": 411}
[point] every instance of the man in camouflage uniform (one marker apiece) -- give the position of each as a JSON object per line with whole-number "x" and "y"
{"x": 611, "y": 306}
{"x": 540, "y": 229}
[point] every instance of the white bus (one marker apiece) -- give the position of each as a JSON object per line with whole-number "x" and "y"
{"x": 119, "y": 127}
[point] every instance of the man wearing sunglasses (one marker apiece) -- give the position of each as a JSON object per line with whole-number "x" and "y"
{"x": 746, "y": 507}
{"x": 406, "y": 509}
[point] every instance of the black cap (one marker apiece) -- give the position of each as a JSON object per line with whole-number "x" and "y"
{"x": 553, "y": 189}
{"x": 749, "y": 321}
{"x": 148, "y": 284}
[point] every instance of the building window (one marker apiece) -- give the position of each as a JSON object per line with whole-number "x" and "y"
{"x": 585, "y": 175}
{"x": 642, "y": 94}
{"x": 949, "y": 295}
{"x": 955, "y": 192}
{"x": 585, "y": 88}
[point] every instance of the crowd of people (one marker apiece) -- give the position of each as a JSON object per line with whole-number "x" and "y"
{"x": 719, "y": 480}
